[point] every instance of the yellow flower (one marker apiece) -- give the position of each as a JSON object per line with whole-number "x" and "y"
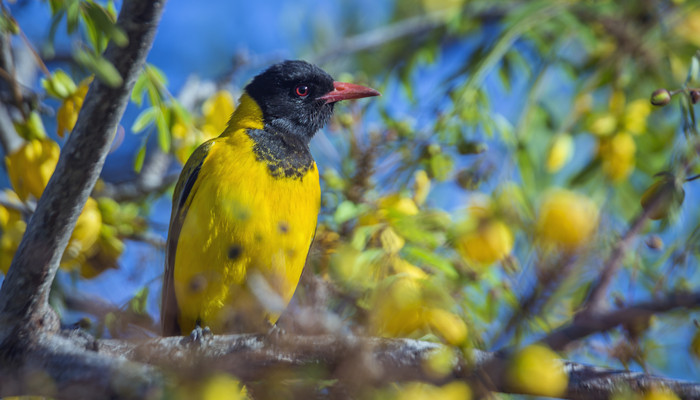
{"x": 423, "y": 391}
{"x": 566, "y": 220}
{"x": 695, "y": 344}
{"x": 85, "y": 234}
{"x": 660, "y": 394}
{"x": 421, "y": 186}
{"x": 67, "y": 114}
{"x": 397, "y": 204}
{"x": 617, "y": 156}
{"x": 185, "y": 139}
{"x": 490, "y": 241}
{"x": 391, "y": 241}
{"x": 401, "y": 266}
{"x": 398, "y": 309}
{"x": 220, "y": 386}
{"x": 560, "y": 151}
{"x": 603, "y": 124}
{"x": 217, "y": 111}
{"x": 12, "y": 229}
{"x": 538, "y": 371}
{"x": 634, "y": 119}
{"x": 403, "y": 308}
{"x": 30, "y": 167}
{"x": 447, "y": 325}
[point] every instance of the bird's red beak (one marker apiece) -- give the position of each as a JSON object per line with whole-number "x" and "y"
{"x": 348, "y": 91}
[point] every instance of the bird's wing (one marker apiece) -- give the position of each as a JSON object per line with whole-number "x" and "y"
{"x": 182, "y": 198}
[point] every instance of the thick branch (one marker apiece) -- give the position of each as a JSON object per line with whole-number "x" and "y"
{"x": 364, "y": 361}
{"x": 77, "y": 367}
{"x": 24, "y": 293}
{"x": 56, "y": 367}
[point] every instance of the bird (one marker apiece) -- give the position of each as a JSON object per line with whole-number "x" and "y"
{"x": 246, "y": 204}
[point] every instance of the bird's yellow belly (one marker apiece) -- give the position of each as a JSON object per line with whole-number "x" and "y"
{"x": 243, "y": 244}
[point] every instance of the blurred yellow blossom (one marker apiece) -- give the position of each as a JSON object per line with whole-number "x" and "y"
{"x": 421, "y": 186}
{"x": 617, "y": 156}
{"x": 602, "y": 124}
{"x": 217, "y": 111}
{"x": 185, "y": 138}
{"x": 405, "y": 307}
{"x": 423, "y": 391}
{"x": 538, "y": 371}
{"x": 220, "y": 386}
{"x": 566, "y": 219}
{"x": 490, "y": 240}
{"x": 31, "y": 166}
{"x": 447, "y": 325}
{"x": 398, "y": 310}
{"x": 560, "y": 151}
{"x": 634, "y": 119}
{"x": 660, "y": 394}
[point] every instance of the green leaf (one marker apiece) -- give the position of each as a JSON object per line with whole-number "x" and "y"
{"x": 94, "y": 34}
{"x": 72, "y": 15}
{"x": 139, "y": 88}
{"x": 162, "y": 123}
{"x": 180, "y": 112}
{"x": 694, "y": 70}
{"x": 105, "y": 23}
{"x": 346, "y": 211}
{"x": 430, "y": 259}
{"x": 156, "y": 76}
{"x": 103, "y": 69}
{"x": 138, "y": 303}
{"x": 8, "y": 24}
{"x": 362, "y": 235}
{"x": 145, "y": 118}
{"x": 140, "y": 158}
{"x": 59, "y": 85}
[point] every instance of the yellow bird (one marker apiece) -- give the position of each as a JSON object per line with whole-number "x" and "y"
{"x": 246, "y": 204}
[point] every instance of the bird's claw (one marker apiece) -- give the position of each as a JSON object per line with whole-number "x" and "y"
{"x": 199, "y": 334}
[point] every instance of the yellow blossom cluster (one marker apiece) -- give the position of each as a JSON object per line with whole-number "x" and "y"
{"x": 216, "y": 112}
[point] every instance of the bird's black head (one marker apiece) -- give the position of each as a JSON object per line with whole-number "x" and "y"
{"x": 297, "y": 98}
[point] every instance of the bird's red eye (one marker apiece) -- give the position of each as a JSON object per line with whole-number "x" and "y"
{"x": 302, "y": 90}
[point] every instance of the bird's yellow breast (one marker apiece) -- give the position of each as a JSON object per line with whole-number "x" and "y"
{"x": 244, "y": 240}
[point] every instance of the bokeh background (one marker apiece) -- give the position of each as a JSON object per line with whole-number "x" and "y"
{"x": 474, "y": 203}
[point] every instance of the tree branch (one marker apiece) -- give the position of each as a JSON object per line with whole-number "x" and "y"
{"x": 596, "y": 300}
{"x": 24, "y": 293}
{"x": 25, "y": 316}
{"x": 8, "y": 136}
{"x": 366, "y": 361}
{"x": 584, "y": 325}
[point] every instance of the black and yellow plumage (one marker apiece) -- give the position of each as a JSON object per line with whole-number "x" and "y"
{"x": 246, "y": 204}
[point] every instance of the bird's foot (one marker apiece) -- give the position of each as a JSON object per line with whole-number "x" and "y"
{"x": 79, "y": 332}
{"x": 199, "y": 334}
{"x": 276, "y": 334}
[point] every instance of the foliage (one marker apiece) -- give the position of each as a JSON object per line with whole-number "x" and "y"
{"x": 475, "y": 205}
